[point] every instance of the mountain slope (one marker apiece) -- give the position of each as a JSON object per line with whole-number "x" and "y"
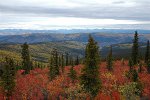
{"x": 102, "y": 39}
{"x": 41, "y": 51}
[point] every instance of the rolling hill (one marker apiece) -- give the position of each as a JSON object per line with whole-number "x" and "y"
{"x": 41, "y": 42}
{"x": 101, "y": 38}
{"x": 41, "y": 51}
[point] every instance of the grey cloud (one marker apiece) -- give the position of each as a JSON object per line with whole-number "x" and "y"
{"x": 23, "y": 12}
{"x": 97, "y": 12}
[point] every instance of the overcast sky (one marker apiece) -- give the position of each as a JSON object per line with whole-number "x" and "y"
{"x": 55, "y": 14}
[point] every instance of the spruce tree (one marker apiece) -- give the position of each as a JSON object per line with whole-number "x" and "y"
{"x": 135, "y": 49}
{"x": 110, "y": 60}
{"x": 62, "y": 63}
{"x": 52, "y": 74}
{"x": 134, "y": 76}
{"x": 72, "y": 74}
{"x": 130, "y": 64}
{"x": 31, "y": 65}
{"x": 77, "y": 61}
{"x": 26, "y": 63}
{"x": 71, "y": 61}
{"x": 54, "y": 67}
{"x": 140, "y": 67}
{"x": 8, "y": 77}
{"x": 90, "y": 73}
{"x": 147, "y": 53}
{"x": 59, "y": 61}
{"x": 67, "y": 59}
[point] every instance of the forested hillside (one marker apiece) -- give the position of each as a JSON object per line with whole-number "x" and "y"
{"x": 68, "y": 75}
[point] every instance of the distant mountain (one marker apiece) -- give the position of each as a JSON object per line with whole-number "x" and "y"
{"x": 103, "y": 39}
{"x": 69, "y": 31}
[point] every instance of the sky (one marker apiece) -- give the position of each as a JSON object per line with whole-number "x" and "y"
{"x": 74, "y": 14}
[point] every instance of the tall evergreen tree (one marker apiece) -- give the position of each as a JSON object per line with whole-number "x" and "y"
{"x": 71, "y": 61}
{"x": 52, "y": 74}
{"x": 54, "y": 67}
{"x": 59, "y": 61}
{"x": 55, "y": 63}
{"x": 140, "y": 67}
{"x": 135, "y": 49}
{"x": 26, "y": 63}
{"x": 110, "y": 60}
{"x": 72, "y": 74}
{"x": 62, "y": 63}
{"x": 31, "y": 65}
{"x": 147, "y": 53}
{"x": 67, "y": 59}
{"x": 77, "y": 60}
{"x": 90, "y": 73}
{"x": 130, "y": 63}
{"x": 134, "y": 76}
{"x": 8, "y": 77}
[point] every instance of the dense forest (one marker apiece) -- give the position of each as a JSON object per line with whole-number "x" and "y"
{"x": 69, "y": 76}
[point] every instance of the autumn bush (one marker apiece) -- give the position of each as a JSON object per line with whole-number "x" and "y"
{"x": 115, "y": 85}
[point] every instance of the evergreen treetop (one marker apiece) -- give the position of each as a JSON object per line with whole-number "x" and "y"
{"x": 135, "y": 49}
{"x": 90, "y": 73}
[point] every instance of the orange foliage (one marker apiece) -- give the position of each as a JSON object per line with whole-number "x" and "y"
{"x": 36, "y": 85}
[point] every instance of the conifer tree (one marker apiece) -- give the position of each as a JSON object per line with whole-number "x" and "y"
{"x": 62, "y": 63}
{"x": 8, "y": 77}
{"x": 70, "y": 60}
{"x": 110, "y": 60}
{"x": 72, "y": 74}
{"x": 55, "y": 63}
{"x": 54, "y": 67}
{"x": 77, "y": 60}
{"x": 26, "y": 58}
{"x": 135, "y": 49}
{"x": 130, "y": 63}
{"x": 52, "y": 74}
{"x": 134, "y": 76}
{"x": 31, "y": 65}
{"x": 147, "y": 53}
{"x": 90, "y": 73}
{"x": 59, "y": 61}
{"x": 67, "y": 59}
{"x": 140, "y": 67}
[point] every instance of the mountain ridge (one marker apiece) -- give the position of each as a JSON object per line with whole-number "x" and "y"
{"x": 70, "y": 31}
{"x": 101, "y": 38}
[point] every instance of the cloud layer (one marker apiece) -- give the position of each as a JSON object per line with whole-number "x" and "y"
{"x": 32, "y": 12}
